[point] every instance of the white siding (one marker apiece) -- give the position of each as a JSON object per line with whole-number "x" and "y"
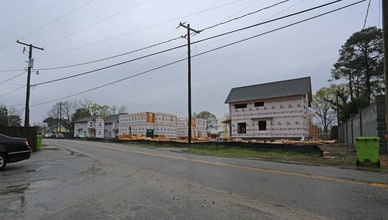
{"x": 286, "y": 117}
{"x": 198, "y": 127}
{"x": 80, "y": 129}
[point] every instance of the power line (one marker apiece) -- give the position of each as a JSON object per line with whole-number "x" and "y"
{"x": 108, "y": 58}
{"x": 115, "y": 56}
{"x": 7, "y": 80}
{"x": 366, "y": 16}
{"x": 110, "y": 66}
{"x": 272, "y": 20}
{"x": 205, "y": 52}
{"x": 287, "y": 8}
{"x": 280, "y": 28}
{"x": 111, "y": 83}
{"x": 13, "y": 90}
{"x": 98, "y": 22}
{"x": 11, "y": 70}
{"x": 137, "y": 30}
{"x": 51, "y": 22}
{"x": 58, "y": 18}
{"x": 209, "y": 7}
{"x": 126, "y": 53}
{"x": 177, "y": 47}
{"x": 245, "y": 15}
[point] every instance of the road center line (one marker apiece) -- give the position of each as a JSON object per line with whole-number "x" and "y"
{"x": 311, "y": 176}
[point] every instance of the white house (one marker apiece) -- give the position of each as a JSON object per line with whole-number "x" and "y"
{"x": 111, "y": 126}
{"x": 271, "y": 110}
{"x": 91, "y": 126}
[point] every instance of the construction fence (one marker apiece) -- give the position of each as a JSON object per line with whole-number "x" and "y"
{"x": 368, "y": 122}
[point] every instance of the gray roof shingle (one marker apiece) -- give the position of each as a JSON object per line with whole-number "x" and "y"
{"x": 86, "y": 119}
{"x": 284, "y": 88}
{"x": 112, "y": 118}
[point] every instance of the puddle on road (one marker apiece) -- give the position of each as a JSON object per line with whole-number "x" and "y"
{"x": 28, "y": 187}
{"x": 18, "y": 199}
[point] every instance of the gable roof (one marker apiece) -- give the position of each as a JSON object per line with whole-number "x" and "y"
{"x": 112, "y": 118}
{"x": 300, "y": 86}
{"x": 87, "y": 118}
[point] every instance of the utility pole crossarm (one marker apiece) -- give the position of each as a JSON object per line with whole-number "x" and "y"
{"x": 39, "y": 48}
{"x": 188, "y": 28}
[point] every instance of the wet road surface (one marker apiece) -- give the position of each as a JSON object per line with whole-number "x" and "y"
{"x": 97, "y": 180}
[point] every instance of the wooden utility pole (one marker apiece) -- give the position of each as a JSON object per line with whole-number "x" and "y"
{"x": 30, "y": 65}
{"x": 189, "y": 75}
{"x": 60, "y": 116}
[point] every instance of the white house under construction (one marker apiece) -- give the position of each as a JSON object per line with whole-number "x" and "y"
{"x": 148, "y": 124}
{"x": 271, "y": 110}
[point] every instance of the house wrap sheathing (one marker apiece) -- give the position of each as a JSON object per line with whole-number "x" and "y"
{"x": 198, "y": 128}
{"x": 162, "y": 124}
{"x": 271, "y": 110}
{"x": 137, "y": 123}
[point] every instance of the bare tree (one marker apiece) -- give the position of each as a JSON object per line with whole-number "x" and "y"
{"x": 63, "y": 112}
{"x": 86, "y": 103}
{"x": 323, "y": 109}
{"x": 123, "y": 109}
{"x": 113, "y": 109}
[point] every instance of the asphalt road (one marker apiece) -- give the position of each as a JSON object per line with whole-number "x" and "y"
{"x": 98, "y": 180}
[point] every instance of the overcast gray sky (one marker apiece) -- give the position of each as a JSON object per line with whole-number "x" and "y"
{"x": 79, "y": 31}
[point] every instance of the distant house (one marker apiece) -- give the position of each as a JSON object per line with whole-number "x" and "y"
{"x": 271, "y": 110}
{"x": 111, "y": 126}
{"x": 60, "y": 129}
{"x": 89, "y": 127}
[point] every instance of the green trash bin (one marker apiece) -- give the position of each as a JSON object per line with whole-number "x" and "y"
{"x": 39, "y": 142}
{"x": 150, "y": 133}
{"x": 368, "y": 150}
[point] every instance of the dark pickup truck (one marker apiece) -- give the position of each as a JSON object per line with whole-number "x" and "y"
{"x": 13, "y": 149}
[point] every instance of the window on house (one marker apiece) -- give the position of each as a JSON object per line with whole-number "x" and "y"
{"x": 241, "y": 128}
{"x": 237, "y": 106}
{"x": 262, "y": 125}
{"x": 91, "y": 124}
{"x": 259, "y": 104}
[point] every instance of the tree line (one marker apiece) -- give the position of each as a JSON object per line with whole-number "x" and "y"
{"x": 359, "y": 73}
{"x": 67, "y": 112}
{"x": 9, "y": 117}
